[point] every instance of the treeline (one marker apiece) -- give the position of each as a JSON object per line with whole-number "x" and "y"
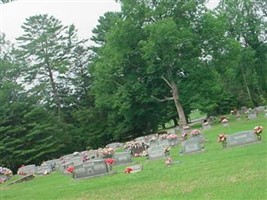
{"x": 153, "y": 62}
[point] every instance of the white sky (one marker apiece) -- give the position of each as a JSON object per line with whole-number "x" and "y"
{"x": 84, "y": 14}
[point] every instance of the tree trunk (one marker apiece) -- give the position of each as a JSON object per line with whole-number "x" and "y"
{"x": 246, "y": 86}
{"x": 178, "y": 105}
{"x": 54, "y": 91}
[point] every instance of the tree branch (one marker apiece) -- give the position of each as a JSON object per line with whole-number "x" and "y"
{"x": 168, "y": 83}
{"x": 162, "y": 100}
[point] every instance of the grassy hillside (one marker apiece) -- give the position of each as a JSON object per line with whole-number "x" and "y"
{"x": 232, "y": 173}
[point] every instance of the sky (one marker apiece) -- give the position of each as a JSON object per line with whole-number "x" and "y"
{"x": 84, "y": 14}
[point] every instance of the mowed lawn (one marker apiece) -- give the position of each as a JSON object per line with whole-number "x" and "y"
{"x": 217, "y": 173}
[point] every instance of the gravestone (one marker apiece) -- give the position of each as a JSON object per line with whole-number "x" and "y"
{"x": 173, "y": 141}
{"x": 52, "y": 163}
{"x": 122, "y": 158}
{"x": 28, "y": 169}
{"x": 76, "y": 160}
{"x": 43, "y": 170}
{"x": 252, "y": 116}
{"x": 3, "y": 178}
{"x": 199, "y": 137}
{"x": 164, "y": 142}
{"x": 206, "y": 126}
{"x": 136, "y": 168}
{"x": 90, "y": 169}
{"x": 191, "y": 146}
{"x": 115, "y": 145}
{"x": 241, "y": 138}
{"x": 156, "y": 152}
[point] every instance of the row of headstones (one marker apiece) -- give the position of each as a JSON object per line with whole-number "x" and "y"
{"x": 97, "y": 167}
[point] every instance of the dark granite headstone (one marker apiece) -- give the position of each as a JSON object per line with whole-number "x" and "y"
{"x": 241, "y": 138}
{"x": 156, "y": 152}
{"x": 122, "y": 158}
{"x": 90, "y": 169}
{"x": 191, "y": 146}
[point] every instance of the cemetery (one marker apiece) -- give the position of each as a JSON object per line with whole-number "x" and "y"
{"x": 200, "y": 151}
{"x": 133, "y": 100}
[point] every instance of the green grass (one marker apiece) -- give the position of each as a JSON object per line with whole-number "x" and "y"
{"x": 230, "y": 174}
{"x": 196, "y": 114}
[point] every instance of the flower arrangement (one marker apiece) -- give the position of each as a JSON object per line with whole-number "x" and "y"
{"x": 128, "y": 170}
{"x": 184, "y": 135}
{"x": 224, "y": 120}
{"x": 7, "y": 174}
{"x": 168, "y": 161}
{"x": 163, "y": 136}
{"x": 171, "y": 136}
{"x": 195, "y": 132}
{"x": 222, "y": 138}
{"x": 110, "y": 161}
{"x": 70, "y": 169}
{"x": 257, "y": 131}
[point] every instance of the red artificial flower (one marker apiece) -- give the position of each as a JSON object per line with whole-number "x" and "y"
{"x": 70, "y": 169}
{"x": 109, "y": 161}
{"x": 128, "y": 170}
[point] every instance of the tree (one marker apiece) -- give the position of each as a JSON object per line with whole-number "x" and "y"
{"x": 246, "y": 23}
{"x": 45, "y": 47}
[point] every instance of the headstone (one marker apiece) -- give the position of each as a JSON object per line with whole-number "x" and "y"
{"x": 191, "y": 146}
{"x": 122, "y": 158}
{"x": 199, "y": 137}
{"x": 52, "y": 163}
{"x": 252, "y": 116}
{"x": 27, "y": 170}
{"x": 164, "y": 142}
{"x": 3, "y": 178}
{"x": 206, "y": 126}
{"x": 173, "y": 142}
{"x": 156, "y": 152}
{"x": 90, "y": 169}
{"x": 76, "y": 160}
{"x": 43, "y": 170}
{"x": 136, "y": 168}
{"x": 241, "y": 138}
{"x": 115, "y": 145}
{"x": 259, "y": 109}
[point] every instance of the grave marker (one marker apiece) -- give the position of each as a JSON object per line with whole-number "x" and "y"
{"x": 122, "y": 158}
{"x": 252, "y": 116}
{"x": 27, "y": 170}
{"x": 191, "y": 146}
{"x": 43, "y": 170}
{"x": 156, "y": 152}
{"x": 241, "y": 138}
{"x": 90, "y": 169}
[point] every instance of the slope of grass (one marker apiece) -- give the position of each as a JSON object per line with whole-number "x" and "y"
{"x": 232, "y": 173}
